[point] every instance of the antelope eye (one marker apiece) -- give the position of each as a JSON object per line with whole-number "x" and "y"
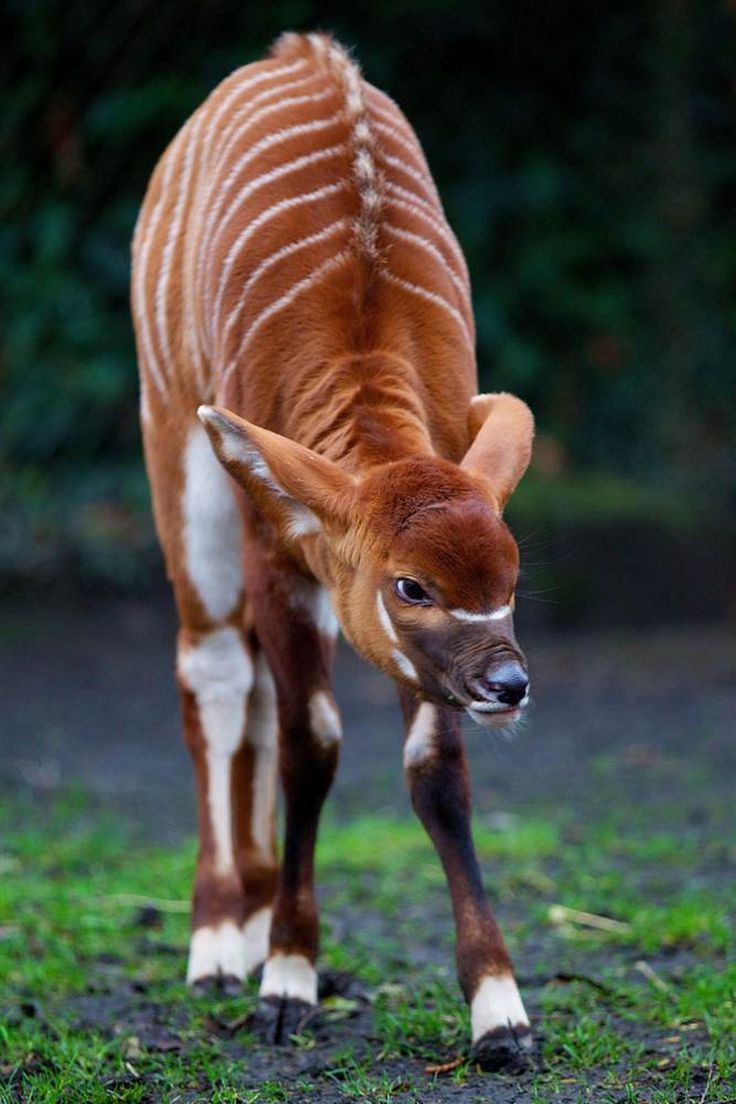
{"x": 410, "y": 591}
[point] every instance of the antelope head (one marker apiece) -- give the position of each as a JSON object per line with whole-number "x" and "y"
{"x": 419, "y": 563}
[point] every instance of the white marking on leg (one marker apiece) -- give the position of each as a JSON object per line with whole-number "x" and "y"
{"x": 496, "y": 1003}
{"x": 324, "y": 720}
{"x": 420, "y": 741}
{"x": 219, "y": 673}
{"x": 262, "y": 735}
{"x": 314, "y": 600}
{"x": 215, "y": 950}
{"x": 212, "y": 528}
{"x": 489, "y": 615}
{"x": 386, "y": 622}
{"x": 291, "y": 976}
{"x": 256, "y": 933}
{"x": 405, "y": 665}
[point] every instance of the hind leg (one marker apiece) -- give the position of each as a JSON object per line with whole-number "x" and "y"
{"x": 228, "y": 717}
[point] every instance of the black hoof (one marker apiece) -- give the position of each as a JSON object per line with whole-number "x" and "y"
{"x": 217, "y": 985}
{"x": 505, "y": 1050}
{"x": 276, "y": 1019}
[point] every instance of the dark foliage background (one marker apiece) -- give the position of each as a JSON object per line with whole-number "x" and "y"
{"x": 586, "y": 156}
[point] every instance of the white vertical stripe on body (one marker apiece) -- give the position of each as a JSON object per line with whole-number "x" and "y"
{"x": 280, "y": 254}
{"x": 431, "y": 248}
{"x": 263, "y": 181}
{"x": 438, "y": 300}
{"x": 283, "y": 301}
{"x": 422, "y": 208}
{"x": 173, "y": 235}
{"x": 144, "y": 238}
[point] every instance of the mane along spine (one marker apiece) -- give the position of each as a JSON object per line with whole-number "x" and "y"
{"x": 366, "y": 174}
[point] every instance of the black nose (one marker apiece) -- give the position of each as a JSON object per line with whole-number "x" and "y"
{"x": 508, "y": 682}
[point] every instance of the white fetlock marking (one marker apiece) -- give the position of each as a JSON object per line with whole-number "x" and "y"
{"x": 256, "y": 932}
{"x": 420, "y": 741}
{"x": 289, "y": 976}
{"x": 216, "y": 950}
{"x": 497, "y": 1003}
{"x": 324, "y": 720}
{"x": 212, "y": 528}
{"x": 219, "y": 673}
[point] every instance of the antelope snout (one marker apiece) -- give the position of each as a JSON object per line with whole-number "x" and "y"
{"x": 506, "y": 684}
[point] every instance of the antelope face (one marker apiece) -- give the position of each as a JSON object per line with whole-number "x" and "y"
{"x": 435, "y": 606}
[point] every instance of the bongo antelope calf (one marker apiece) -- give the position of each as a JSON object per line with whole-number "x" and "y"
{"x": 292, "y": 264}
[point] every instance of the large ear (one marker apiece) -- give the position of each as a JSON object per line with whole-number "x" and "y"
{"x": 501, "y": 431}
{"x": 295, "y": 488}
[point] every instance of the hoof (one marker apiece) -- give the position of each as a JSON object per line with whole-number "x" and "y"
{"x": 504, "y": 1050}
{"x": 213, "y": 985}
{"x": 276, "y": 1019}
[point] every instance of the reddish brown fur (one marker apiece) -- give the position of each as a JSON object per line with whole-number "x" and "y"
{"x": 339, "y": 348}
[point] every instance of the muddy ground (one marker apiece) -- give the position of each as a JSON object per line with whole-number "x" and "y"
{"x": 644, "y": 718}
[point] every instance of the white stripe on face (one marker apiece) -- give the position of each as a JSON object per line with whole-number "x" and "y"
{"x": 291, "y": 976}
{"x": 386, "y": 622}
{"x": 490, "y": 615}
{"x": 420, "y": 741}
{"x": 405, "y": 665}
{"x": 496, "y": 1003}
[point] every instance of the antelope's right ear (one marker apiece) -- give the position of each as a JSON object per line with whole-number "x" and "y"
{"x": 299, "y": 491}
{"x": 501, "y": 433}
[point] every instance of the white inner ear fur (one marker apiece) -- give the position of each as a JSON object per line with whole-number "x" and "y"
{"x": 300, "y": 520}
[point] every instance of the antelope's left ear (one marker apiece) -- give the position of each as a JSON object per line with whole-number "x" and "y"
{"x": 501, "y": 431}
{"x": 298, "y": 490}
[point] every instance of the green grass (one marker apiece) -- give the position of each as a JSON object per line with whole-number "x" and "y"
{"x": 87, "y": 995}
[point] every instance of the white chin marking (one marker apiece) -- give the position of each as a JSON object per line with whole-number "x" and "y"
{"x": 493, "y": 718}
{"x": 496, "y": 1004}
{"x": 255, "y": 936}
{"x": 420, "y": 741}
{"x": 291, "y": 976}
{"x": 324, "y": 720}
{"x": 216, "y": 950}
{"x": 405, "y": 665}
{"x": 212, "y": 528}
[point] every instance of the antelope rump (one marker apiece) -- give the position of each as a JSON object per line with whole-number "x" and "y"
{"x": 292, "y": 264}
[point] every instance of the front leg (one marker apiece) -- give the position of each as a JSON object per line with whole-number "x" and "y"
{"x": 299, "y": 641}
{"x": 437, "y": 774}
